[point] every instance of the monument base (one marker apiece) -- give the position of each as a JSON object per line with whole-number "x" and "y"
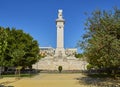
{"x": 67, "y": 63}
{"x": 60, "y": 52}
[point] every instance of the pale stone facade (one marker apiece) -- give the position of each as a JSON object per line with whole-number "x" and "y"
{"x": 60, "y": 56}
{"x": 47, "y": 51}
{"x": 70, "y": 51}
{"x": 67, "y": 64}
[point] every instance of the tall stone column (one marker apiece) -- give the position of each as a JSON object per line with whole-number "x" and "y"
{"x": 60, "y": 35}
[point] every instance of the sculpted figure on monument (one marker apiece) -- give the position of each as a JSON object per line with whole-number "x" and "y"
{"x": 60, "y": 14}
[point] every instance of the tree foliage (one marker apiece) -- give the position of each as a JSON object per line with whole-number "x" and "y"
{"x": 101, "y": 42}
{"x": 79, "y": 55}
{"x": 3, "y": 44}
{"x": 22, "y": 49}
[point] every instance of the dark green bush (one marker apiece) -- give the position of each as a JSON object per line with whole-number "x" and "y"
{"x": 60, "y": 69}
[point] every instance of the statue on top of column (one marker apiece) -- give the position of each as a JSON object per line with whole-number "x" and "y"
{"x": 60, "y": 14}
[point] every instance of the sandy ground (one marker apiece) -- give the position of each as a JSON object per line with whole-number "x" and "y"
{"x": 45, "y": 80}
{"x": 58, "y": 80}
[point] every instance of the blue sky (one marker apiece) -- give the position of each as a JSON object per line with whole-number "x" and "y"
{"x": 37, "y": 17}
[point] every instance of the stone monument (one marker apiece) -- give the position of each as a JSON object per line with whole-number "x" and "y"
{"x": 60, "y": 58}
{"x": 60, "y": 35}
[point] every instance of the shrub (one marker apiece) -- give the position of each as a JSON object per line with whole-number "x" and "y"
{"x": 89, "y": 66}
{"x": 60, "y": 69}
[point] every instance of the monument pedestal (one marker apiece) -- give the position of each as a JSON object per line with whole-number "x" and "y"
{"x": 60, "y": 52}
{"x": 54, "y": 62}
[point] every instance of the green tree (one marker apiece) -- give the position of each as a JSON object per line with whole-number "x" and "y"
{"x": 22, "y": 49}
{"x": 3, "y": 46}
{"x": 101, "y": 43}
